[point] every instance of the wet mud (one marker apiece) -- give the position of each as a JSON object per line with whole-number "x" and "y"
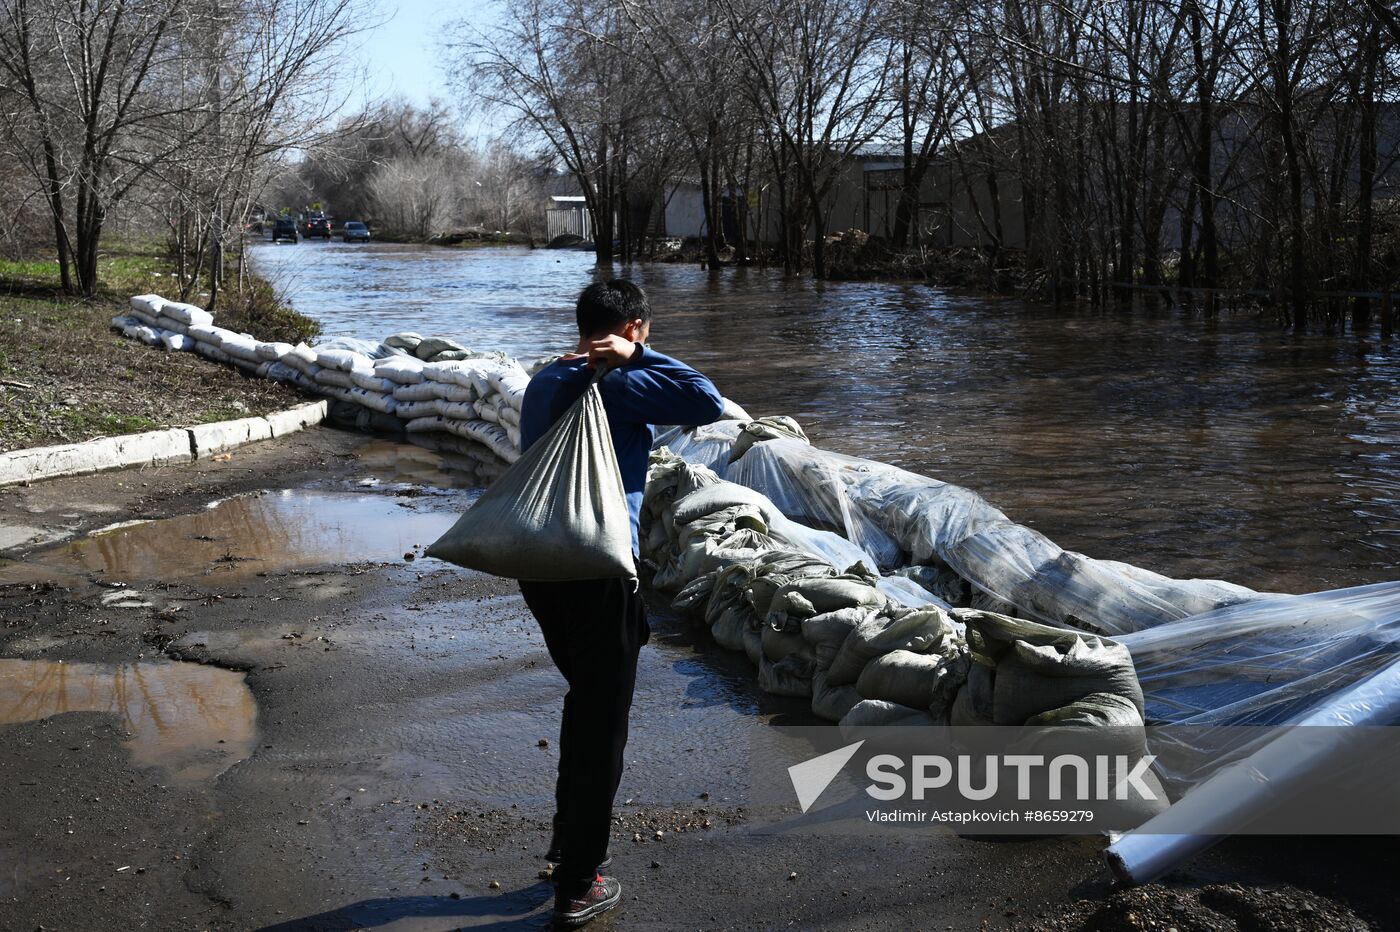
{"x": 404, "y": 718}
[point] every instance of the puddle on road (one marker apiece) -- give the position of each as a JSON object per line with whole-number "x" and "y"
{"x": 242, "y": 536}
{"x": 191, "y": 721}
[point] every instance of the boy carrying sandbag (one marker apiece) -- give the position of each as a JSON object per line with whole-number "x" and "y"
{"x": 595, "y": 628}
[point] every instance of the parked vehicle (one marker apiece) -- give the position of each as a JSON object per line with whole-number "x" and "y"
{"x": 309, "y": 220}
{"x": 354, "y": 231}
{"x": 285, "y": 228}
{"x": 318, "y": 229}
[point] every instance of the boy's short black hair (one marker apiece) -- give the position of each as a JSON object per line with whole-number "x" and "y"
{"x": 605, "y": 306}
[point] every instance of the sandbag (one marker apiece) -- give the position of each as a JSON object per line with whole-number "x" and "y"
{"x": 826, "y": 633}
{"x": 417, "y": 391}
{"x": 919, "y": 630}
{"x": 1039, "y": 667}
{"x": 428, "y": 347}
{"x": 791, "y": 676}
{"x": 765, "y": 428}
{"x": 176, "y": 342}
{"x": 805, "y": 598}
{"x": 831, "y": 702}
{"x": 401, "y": 370}
{"x": 560, "y": 513}
{"x": 923, "y": 681}
{"x": 371, "y": 382}
{"x": 273, "y": 352}
{"x": 719, "y": 495}
{"x": 342, "y": 360}
{"x": 879, "y": 712}
{"x": 1035, "y": 679}
{"x": 186, "y": 313}
{"x": 404, "y": 341}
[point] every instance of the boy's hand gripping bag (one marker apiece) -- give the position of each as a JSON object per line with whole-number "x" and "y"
{"x": 558, "y": 513}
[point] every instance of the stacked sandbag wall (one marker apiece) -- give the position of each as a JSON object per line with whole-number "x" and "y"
{"x": 426, "y": 387}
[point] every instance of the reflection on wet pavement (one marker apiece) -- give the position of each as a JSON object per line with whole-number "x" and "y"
{"x": 191, "y": 721}
{"x": 1219, "y": 447}
{"x": 241, "y": 536}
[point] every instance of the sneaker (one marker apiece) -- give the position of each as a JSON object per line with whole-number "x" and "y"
{"x": 602, "y": 895}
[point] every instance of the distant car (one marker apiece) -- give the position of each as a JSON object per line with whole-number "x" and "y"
{"x": 318, "y": 228}
{"x": 355, "y": 231}
{"x": 308, "y": 220}
{"x": 284, "y": 228}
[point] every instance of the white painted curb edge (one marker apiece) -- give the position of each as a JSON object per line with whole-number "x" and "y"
{"x": 154, "y": 448}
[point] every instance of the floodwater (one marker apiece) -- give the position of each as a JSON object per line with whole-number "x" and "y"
{"x": 273, "y": 531}
{"x": 1219, "y": 447}
{"x": 191, "y": 721}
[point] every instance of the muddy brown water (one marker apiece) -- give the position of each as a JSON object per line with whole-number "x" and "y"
{"x": 192, "y": 722}
{"x": 1218, "y": 447}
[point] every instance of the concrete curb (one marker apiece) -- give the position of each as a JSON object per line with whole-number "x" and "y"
{"x": 154, "y": 448}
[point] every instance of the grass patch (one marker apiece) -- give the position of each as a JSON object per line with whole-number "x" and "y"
{"x": 66, "y": 376}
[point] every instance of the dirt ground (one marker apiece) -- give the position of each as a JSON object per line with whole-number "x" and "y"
{"x": 365, "y": 739}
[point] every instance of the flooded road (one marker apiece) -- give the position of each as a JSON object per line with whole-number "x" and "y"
{"x": 1196, "y": 447}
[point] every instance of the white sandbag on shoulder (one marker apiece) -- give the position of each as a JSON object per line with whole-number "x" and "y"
{"x": 273, "y": 352}
{"x": 402, "y": 370}
{"x": 371, "y": 382}
{"x": 187, "y": 314}
{"x": 559, "y": 513}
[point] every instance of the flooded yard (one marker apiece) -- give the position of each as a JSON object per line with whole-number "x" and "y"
{"x": 1217, "y": 447}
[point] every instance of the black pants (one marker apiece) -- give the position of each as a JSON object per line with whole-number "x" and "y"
{"x": 594, "y": 630}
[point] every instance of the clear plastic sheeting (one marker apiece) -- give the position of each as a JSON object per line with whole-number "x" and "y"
{"x": 1269, "y": 661}
{"x": 901, "y": 518}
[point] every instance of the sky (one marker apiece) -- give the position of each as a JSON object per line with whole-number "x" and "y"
{"x": 403, "y": 55}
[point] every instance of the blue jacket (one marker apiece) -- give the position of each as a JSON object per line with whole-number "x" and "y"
{"x": 651, "y": 389}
